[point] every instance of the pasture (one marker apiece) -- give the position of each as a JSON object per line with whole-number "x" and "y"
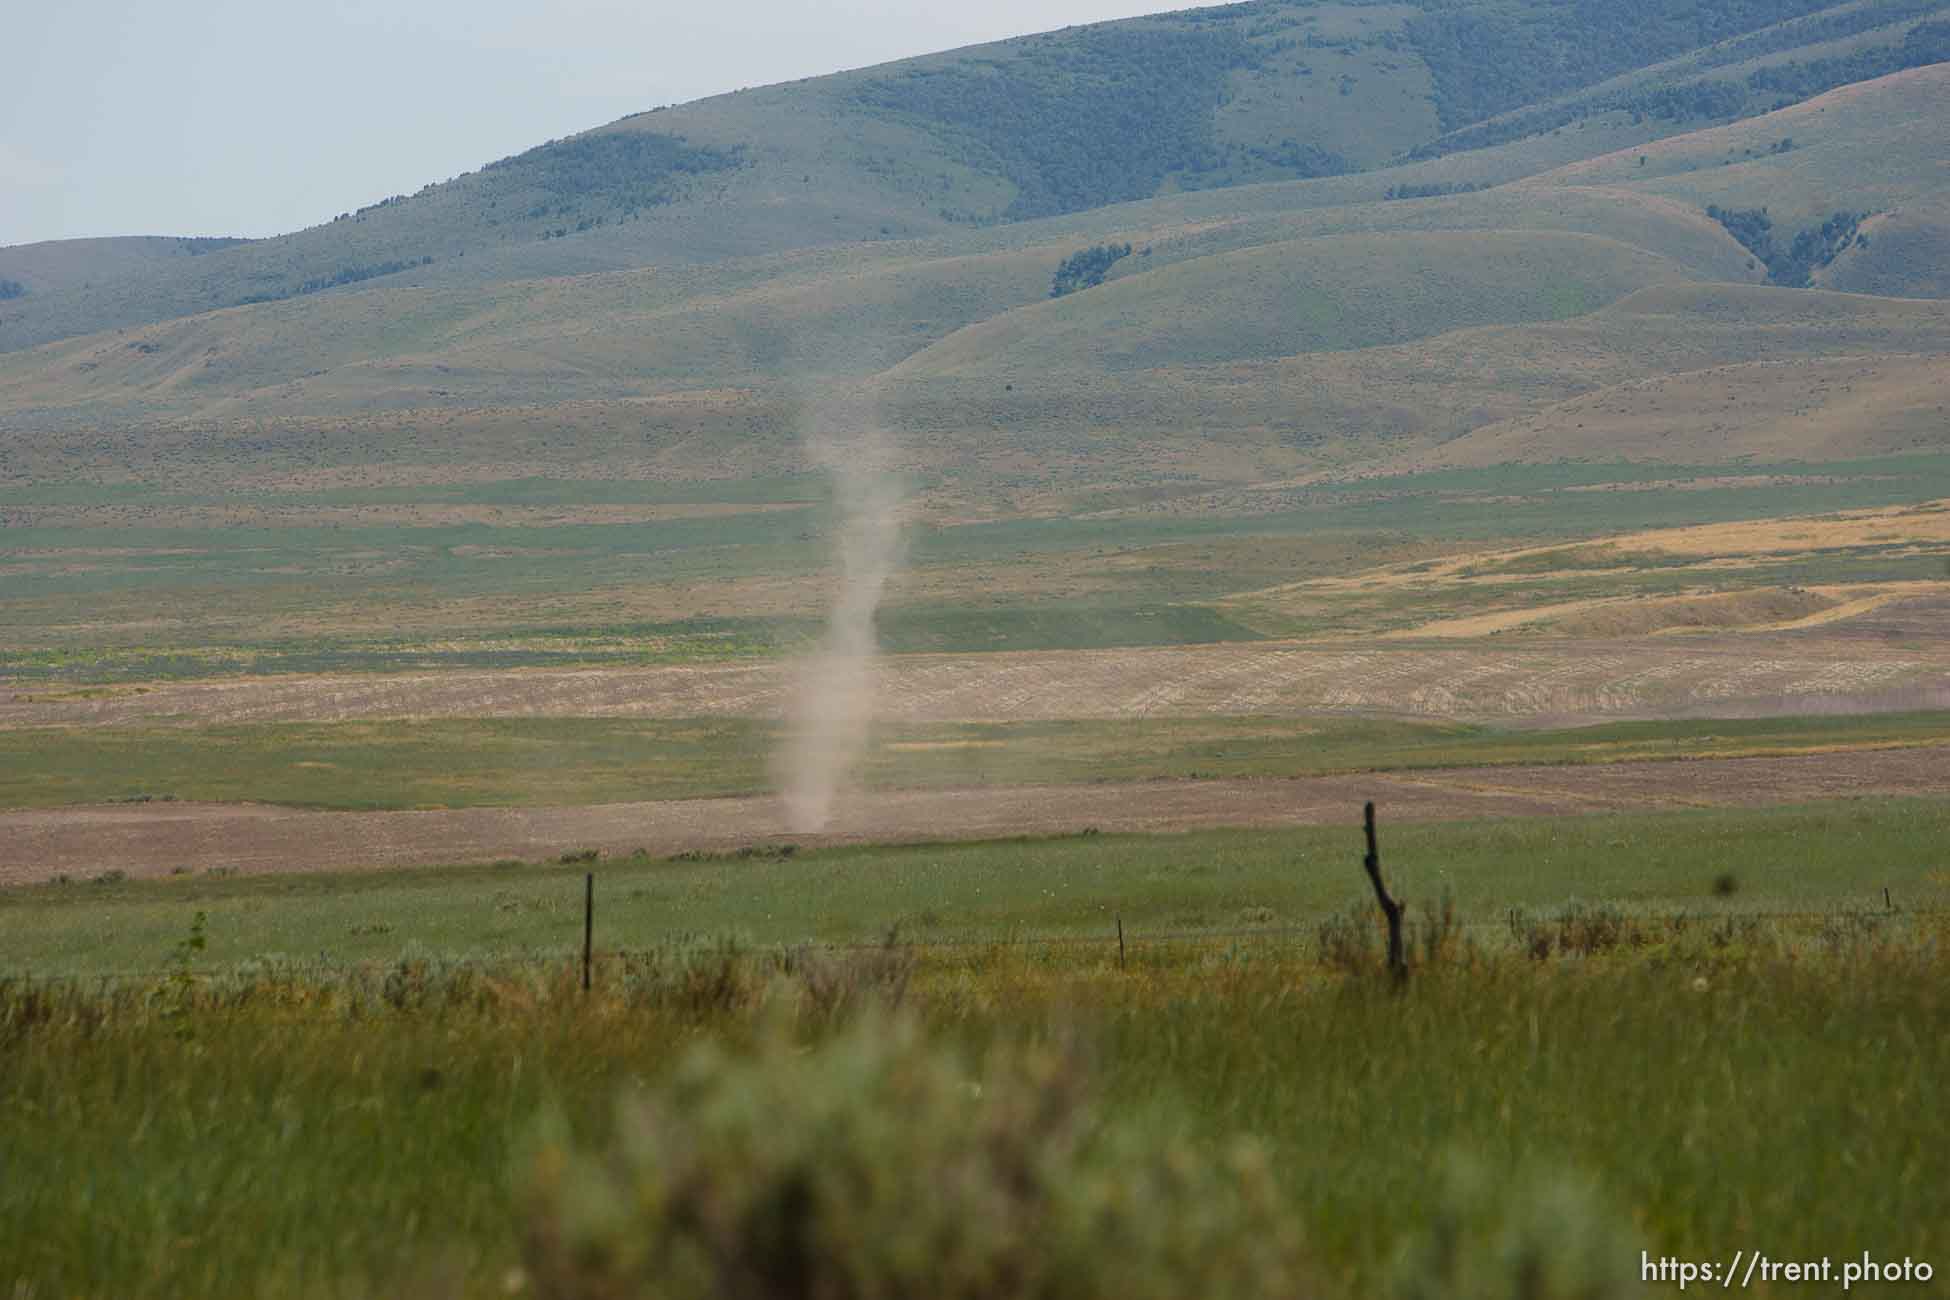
{"x": 136, "y": 581}
{"x": 359, "y": 1084}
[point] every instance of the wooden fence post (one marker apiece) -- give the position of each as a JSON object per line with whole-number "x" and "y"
{"x": 588, "y": 925}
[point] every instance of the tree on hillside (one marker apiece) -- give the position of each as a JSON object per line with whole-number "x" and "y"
{"x": 1087, "y": 269}
{"x": 1809, "y": 251}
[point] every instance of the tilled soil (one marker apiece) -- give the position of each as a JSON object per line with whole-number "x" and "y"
{"x": 1554, "y": 682}
{"x": 157, "y": 839}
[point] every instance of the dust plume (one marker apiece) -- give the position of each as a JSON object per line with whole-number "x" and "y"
{"x": 831, "y": 710}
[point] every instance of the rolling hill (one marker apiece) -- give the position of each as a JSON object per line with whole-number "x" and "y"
{"x": 1028, "y": 129}
{"x": 1291, "y": 322}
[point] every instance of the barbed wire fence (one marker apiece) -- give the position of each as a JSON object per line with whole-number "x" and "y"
{"x": 1118, "y": 933}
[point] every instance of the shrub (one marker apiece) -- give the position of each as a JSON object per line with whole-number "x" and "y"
{"x": 1589, "y": 930}
{"x": 1438, "y": 936}
{"x": 1538, "y": 1237}
{"x": 877, "y": 1165}
{"x": 1347, "y": 940}
{"x": 697, "y": 977}
{"x": 836, "y": 983}
{"x": 1533, "y": 937}
{"x": 1849, "y": 930}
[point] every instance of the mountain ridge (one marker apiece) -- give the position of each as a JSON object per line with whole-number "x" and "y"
{"x": 1027, "y": 128}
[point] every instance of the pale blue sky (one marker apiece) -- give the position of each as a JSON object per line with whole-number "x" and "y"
{"x": 254, "y": 117}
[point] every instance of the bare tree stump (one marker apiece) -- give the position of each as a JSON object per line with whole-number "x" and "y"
{"x": 1397, "y": 958}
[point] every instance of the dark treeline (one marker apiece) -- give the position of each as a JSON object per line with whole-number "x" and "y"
{"x": 1817, "y": 29}
{"x": 1794, "y": 263}
{"x": 627, "y": 170}
{"x": 197, "y": 246}
{"x": 1486, "y": 60}
{"x": 1087, "y": 269}
{"x": 1924, "y": 44}
{"x": 343, "y": 276}
{"x": 1720, "y": 99}
{"x": 1697, "y": 101}
{"x": 1432, "y": 190}
{"x": 1094, "y": 116}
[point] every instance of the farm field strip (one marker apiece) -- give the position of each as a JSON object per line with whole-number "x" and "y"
{"x": 1559, "y": 681}
{"x": 394, "y": 764}
{"x": 1750, "y": 575}
{"x": 160, "y": 839}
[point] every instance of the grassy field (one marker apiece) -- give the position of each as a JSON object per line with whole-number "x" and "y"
{"x": 527, "y": 573}
{"x": 243, "y": 1123}
{"x": 1839, "y": 856}
{"x": 512, "y": 762}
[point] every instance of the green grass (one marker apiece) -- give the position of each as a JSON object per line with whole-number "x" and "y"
{"x": 304, "y": 1129}
{"x": 1795, "y": 859}
{"x": 1091, "y": 625}
{"x": 503, "y": 762}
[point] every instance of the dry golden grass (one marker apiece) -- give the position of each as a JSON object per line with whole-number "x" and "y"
{"x": 1928, "y": 522}
{"x": 1872, "y": 146}
{"x": 1808, "y": 409}
{"x": 1907, "y": 253}
{"x": 1594, "y": 588}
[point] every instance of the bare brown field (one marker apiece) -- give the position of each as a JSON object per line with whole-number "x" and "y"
{"x": 161, "y": 839}
{"x": 1557, "y": 683}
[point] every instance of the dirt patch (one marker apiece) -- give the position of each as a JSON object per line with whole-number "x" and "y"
{"x": 156, "y": 840}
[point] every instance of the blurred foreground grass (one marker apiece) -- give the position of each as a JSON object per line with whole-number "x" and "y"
{"x": 439, "y": 1127}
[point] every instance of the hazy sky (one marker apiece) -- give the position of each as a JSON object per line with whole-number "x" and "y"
{"x": 253, "y": 117}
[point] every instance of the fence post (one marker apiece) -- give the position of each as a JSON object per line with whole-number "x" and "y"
{"x": 588, "y": 925}
{"x": 1120, "y": 943}
{"x": 1397, "y": 960}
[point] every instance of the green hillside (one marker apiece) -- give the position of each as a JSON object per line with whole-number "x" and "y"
{"x": 1026, "y": 129}
{"x": 1248, "y": 275}
{"x": 1338, "y": 293}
